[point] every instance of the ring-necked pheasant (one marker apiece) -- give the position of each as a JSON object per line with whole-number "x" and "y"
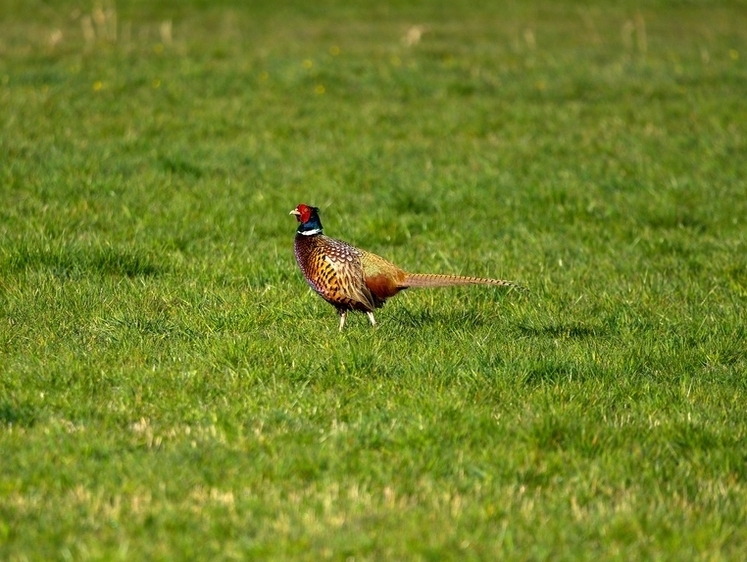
{"x": 352, "y": 279}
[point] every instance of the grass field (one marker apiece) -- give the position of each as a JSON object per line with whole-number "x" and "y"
{"x": 171, "y": 389}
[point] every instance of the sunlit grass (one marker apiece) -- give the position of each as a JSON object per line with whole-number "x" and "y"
{"x": 170, "y": 387}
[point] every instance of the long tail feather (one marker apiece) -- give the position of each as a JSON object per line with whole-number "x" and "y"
{"x": 424, "y": 280}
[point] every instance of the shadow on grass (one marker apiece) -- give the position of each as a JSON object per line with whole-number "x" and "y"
{"x": 553, "y": 372}
{"x": 426, "y": 317}
{"x": 673, "y": 220}
{"x": 77, "y": 262}
{"x": 21, "y": 415}
{"x": 180, "y": 166}
{"x": 571, "y": 331}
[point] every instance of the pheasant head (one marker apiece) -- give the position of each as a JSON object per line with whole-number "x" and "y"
{"x": 309, "y": 219}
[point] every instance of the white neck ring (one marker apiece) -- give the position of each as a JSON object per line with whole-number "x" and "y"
{"x": 311, "y": 232}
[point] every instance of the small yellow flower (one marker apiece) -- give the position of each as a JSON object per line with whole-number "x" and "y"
{"x": 319, "y": 89}
{"x": 97, "y": 85}
{"x": 156, "y": 83}
{"x": 734, "y": 54}
{"x": 307, "y": 63}
{"x": 158, "y": 48}
{"x": 334, "y": 50}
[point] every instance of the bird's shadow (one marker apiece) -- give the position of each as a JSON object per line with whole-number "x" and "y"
{"x": 426, "y": 317}
{"x": 465, "y": 318}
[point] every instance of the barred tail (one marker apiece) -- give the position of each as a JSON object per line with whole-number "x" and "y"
{"x": 424, "y": 280}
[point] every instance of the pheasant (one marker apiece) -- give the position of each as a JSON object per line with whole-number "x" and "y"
{"x": 352, "y": 279}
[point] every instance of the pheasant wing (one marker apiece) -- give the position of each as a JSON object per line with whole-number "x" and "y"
{"x": 340, "y": 278}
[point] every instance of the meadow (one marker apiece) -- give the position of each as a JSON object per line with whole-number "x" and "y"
{"x": 171, "y": 389}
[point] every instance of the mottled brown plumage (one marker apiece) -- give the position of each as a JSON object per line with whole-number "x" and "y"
{"x": 352, "y": 279}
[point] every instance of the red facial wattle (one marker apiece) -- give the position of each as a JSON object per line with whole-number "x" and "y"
{"x": 304, "y": 213}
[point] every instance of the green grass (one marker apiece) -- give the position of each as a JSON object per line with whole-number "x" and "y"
{"x": 171, "y": 389}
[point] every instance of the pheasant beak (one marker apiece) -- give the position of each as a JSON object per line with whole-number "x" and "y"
{"x": 295, "y": 212}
